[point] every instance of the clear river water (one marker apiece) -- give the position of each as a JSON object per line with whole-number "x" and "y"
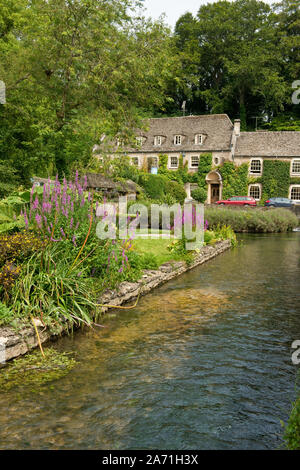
{"x": 203, "y": 362}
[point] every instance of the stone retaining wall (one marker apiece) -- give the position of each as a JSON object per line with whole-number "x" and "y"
{"x": 14, "y": 344}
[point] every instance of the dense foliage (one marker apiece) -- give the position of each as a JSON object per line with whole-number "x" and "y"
{"x": 235, "y": 179}
{"x": 292, "y": 430}
{"x": 73, "y": 71}
{"x": 248, "y": 220}
{"x": 275, "y": 179}
{"x": 56, "y": 268}
{"x": 239, "y": 58}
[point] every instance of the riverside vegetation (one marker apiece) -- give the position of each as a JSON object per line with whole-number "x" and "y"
{"x": 56, "y": 267}
{"x": 292, "y": 428}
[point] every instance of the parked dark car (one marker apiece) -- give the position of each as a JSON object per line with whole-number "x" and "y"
{"x": 238, "y": 201}
{"x": 279, "y": 202}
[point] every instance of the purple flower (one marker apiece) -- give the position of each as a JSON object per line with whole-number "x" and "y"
{"x": 38, "y": 220}
{"x": 35, "y": 204}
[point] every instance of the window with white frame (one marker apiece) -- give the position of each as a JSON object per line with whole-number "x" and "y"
{"x": 177, "y": 139}
{"x": 256, "y": 166}
{"x": 173, "y": 162}
{"x": 194, "y": 162}
{"x": 157, "y": 140}
{"x": 216, "y": 160}
{"x": 255, "y": 191}
{"x": 198, "y": 139}
{"x": 135, "y": 161}
{"x": 295, "y": 167}
{"x": 295, "y": 192}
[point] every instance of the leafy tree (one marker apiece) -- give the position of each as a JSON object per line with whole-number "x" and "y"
{"x": 231, "y": 61}
{"x": 75, "y": 69}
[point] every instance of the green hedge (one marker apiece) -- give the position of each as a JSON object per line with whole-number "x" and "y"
{"x": 252, "y": 220}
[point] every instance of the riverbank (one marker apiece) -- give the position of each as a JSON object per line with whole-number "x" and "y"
{"x": 15, "y": 343}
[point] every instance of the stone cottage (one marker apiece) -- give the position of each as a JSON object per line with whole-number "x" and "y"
{"x": 109, "y": 188}
{"x": 192, "y": 136}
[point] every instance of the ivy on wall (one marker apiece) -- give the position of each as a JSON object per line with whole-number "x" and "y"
{"x": 173, "y": 175}
{"x": 235, "y": 179}
{"x": 275, "y": 179}
{"x": 182, "y": 174}
{"x": 205, "y": 166}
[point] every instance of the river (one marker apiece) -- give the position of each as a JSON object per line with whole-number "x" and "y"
{"x": 203, "y": 362}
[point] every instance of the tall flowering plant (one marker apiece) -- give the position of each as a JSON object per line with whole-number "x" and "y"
{"x": 62, "y": 212}
{"x": 65, "y": 214}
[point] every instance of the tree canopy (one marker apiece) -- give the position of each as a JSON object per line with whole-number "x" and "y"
{"x": 240, "y": 58}
{"x": 77, "y": 69}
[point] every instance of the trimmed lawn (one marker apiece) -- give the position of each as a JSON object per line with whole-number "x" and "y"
{"x": 157, "y": 247}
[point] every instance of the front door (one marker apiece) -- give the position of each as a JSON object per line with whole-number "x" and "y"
{"x": 215, "y": 193}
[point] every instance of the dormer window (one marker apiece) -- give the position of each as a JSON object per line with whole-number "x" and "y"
{"x": 199, "y": 139}
{"x": 177, "y": 139}
{"x": 158, "y": 140}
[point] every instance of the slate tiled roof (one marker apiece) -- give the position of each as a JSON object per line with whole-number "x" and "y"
{"x": 268, "y": 144}
{"x": 216, "y": 128}
{"x": 97, "y": 180}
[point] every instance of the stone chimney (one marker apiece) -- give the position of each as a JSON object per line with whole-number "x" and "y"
{"x": 237, "y": 127}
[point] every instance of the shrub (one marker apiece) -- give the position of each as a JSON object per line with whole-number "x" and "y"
{"x": 154, "y": 185}
{"x": 176, "y": 190}
{"x": 19, "y": 246}
{"x": 199, "y": 195}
